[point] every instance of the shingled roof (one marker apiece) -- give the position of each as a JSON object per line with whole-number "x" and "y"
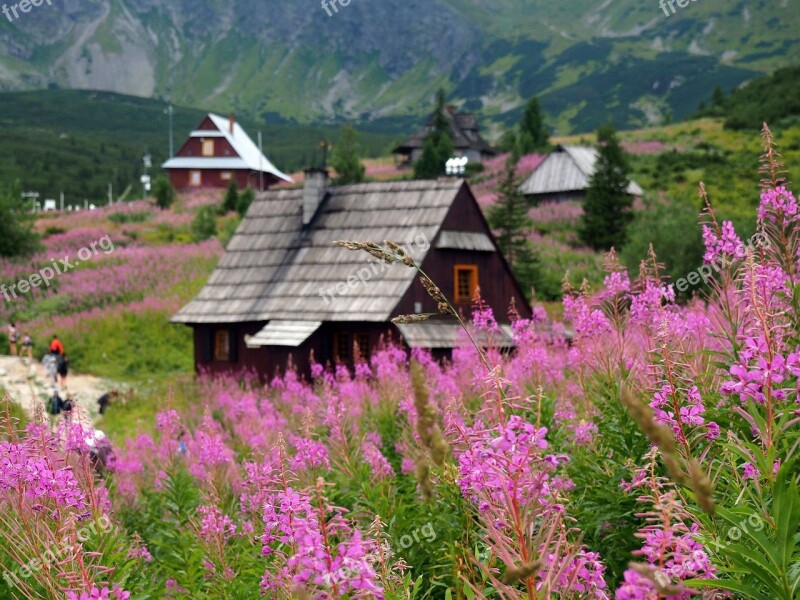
{"x": 566, "y": 169}
{"x": 463, "y": 131}
{"x": 274, "y": 267}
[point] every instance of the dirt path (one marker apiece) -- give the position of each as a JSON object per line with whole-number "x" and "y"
{"x": 27, "y": 385}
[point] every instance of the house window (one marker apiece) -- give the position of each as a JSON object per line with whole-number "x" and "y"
{"x": 362, "y": 339}
{"x": 466, "y": 282}
{"x": 343, "y": 347}
{"x": 225, "y": 176}
{"x": 222, "y": 346}
{"x": 195, "y": 178}
{"x": 208, "y": 147}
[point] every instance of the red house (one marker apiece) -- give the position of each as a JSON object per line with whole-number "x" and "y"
{"x": 220, "y": 151}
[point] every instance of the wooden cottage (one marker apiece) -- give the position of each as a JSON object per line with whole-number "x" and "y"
{"x": 282, "y": 289}
{"x": 220, "y": 151}
{"x": 467, "y": 140}
{"x": 565, "y": 175}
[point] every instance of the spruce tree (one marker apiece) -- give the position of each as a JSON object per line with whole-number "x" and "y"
{"x": 231, "y": 200}
{"x": 164, "y": 193}
{"x": 17, "y": 237}
{"x": 608, "y": 208}
{"x": 510, "y": 220}
{"x": 345, "y": 159}
{"x": 245, "y": 200}
{"x": 533, "y": 134}
{"x": 438, "y": 147}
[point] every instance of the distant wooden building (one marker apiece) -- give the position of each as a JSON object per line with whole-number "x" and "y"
{"x": 565, "y": 175}
{"x": 220, "y": 151}
{"x": 467, "y": 140}
{"x": 282, "y": 289}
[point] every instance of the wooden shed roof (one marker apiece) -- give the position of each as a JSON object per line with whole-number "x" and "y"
{"x": 274, "y": 268}
{"x": 566, "y": 169}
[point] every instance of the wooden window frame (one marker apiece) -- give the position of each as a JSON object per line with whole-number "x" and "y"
{"x": 226, "y": 175}
{"x": 207, "y": 144}
{"x": 473, "y": 283}
{"x": 350, "y": 339}
{"x": 192, "y": 178}
{"x": 222, "y": 339}
{"x": 338, "y": 338}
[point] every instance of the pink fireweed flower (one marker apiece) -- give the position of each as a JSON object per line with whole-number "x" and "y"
{"x": 749, "y": 471}
{"x": 214, "y": 524}
{"x": 778, "y": 205}
{"x": 309, "y": 454}
{"x": 379, "y": 466}
{"x": 727, "y": 246}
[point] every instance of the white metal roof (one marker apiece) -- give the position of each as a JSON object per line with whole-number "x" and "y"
{"x": 200, "y": 162}
{"x": 567, "y": 169}
{"x": 251, "y": 157}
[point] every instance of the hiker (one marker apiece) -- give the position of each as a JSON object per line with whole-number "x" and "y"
{"x": 56, "y": 347}
{"x": 13, "y": 338}
{"x": 105, "y": 400}
{"x": 62, "y": 368}
{"x": 100, "y": 451}
{"x": 50, "y": 362}
{"x": 27, "y": 346}
{"x": 54, "y": 406}
{"x": 67, "y": 406}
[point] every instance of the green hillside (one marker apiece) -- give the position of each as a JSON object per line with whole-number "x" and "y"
{"x": 382, "y": 63}
{"x": 80, "y": 141}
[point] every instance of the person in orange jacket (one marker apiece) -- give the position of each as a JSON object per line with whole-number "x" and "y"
{"x": 56, "y": 347}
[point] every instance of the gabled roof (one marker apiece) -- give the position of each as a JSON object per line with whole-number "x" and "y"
{"x": 274, "y": 268}
{"x": 464, "y": 133}
{"x": 566, "y": 169}
{"x": 249, "y": 154}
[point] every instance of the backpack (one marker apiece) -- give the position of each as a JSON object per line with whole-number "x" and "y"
{"x": 67, "y": 405}
{"x": 54, "y": 405}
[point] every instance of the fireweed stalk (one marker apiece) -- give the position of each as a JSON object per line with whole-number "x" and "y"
{"x": 49, "y": 503}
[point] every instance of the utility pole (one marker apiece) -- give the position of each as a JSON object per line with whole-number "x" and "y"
{"x": 110, "y": 194}
{"x": 260, "y": 167}
{"x": 62, "y": 201}
{"x": 170, "y": 111}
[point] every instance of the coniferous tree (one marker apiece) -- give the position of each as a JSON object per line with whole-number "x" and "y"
{"x": 345, "y": 159}
{"x": 245, "y": 200}
{"x": 164, "y": 193}
{"x": 17, "y": 237}
{"x": 608, "y": 208}
{"x": 438, "y": 147}
{"x": 510, "y": 220}
{"x": 204, "y": 225}
{"x": 533, "y": 134}
{"x": 231, "y": 200}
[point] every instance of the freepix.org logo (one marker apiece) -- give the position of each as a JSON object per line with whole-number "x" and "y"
{"x": 663, "y": 4}
{"x": 332, "y": 6}
{"x": 24, "y": 6}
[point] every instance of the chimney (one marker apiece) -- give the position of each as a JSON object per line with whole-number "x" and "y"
{"x": 232, "y": 122}
{"x": 314, "y": 192}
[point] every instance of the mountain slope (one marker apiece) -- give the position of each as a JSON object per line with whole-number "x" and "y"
{"x": 288, "y": 60}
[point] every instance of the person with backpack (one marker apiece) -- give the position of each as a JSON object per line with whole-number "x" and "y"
{"x": 13, "y": 338}
{"x": 54, "y": 406}
{"x": 56, "y": 347}
{"x": 27, "y": 346}
{"x": 105, "y": 400}
{"x": 50, "y": 362}
{"x": 62, "y": 368}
